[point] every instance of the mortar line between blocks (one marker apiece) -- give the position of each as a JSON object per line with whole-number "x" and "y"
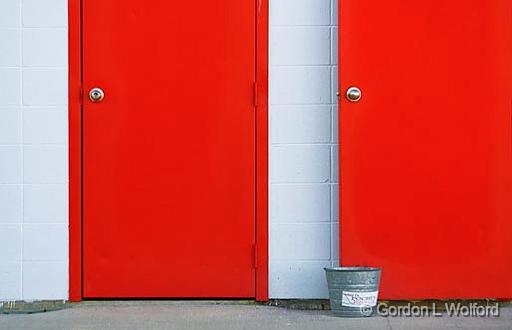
{"x": 20, "y": 22}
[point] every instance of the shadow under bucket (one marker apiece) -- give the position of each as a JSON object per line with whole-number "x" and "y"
{"x": 353, "y": 291}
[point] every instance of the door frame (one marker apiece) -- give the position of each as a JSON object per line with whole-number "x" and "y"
{"x": 76, "y": 161}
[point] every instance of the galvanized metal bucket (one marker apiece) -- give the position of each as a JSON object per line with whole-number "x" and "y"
{"x": 353, "y": 291}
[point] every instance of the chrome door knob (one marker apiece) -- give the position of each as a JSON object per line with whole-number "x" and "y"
{"x": 353, "y": 94}
{"x": 96, "y": 95}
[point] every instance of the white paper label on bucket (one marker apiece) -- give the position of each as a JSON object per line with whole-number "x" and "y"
{"x": 359, "y": 299}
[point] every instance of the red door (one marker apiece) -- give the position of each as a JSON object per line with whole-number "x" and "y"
{"x": 426, "y": 154}
{"x": 169, "y": 165}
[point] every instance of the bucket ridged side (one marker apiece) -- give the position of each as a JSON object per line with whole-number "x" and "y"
{"x": 351, "y": 279}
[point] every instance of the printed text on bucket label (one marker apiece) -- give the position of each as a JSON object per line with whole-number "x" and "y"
{"x": 359, "y": 299}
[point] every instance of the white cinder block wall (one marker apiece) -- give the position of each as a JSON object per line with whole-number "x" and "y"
{"x": 33, "y": 150}
{"x": 303, "y": 146}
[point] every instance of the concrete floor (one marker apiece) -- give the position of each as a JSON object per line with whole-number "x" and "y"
{"x": 207, "y": 315}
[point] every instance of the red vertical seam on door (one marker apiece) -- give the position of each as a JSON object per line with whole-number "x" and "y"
{"x": 262, "y": 150}
{"x": 75, "y": 150}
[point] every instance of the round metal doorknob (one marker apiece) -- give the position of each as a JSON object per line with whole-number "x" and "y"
{"x": 96, "y": 95}
{"x": 353, "y": 94}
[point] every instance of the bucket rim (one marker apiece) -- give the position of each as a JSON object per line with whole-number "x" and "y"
{"x": 352, "y": 269}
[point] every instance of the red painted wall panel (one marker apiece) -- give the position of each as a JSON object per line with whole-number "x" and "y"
{"x": 426, "y": 155}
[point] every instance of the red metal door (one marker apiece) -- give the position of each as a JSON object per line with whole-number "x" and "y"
{"x": 426, "y": 154}
{"x": 169, "y": 154}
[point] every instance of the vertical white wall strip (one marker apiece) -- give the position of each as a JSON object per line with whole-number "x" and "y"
{"x": 33, "y": 150}
{"x": 303, "y": 146}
